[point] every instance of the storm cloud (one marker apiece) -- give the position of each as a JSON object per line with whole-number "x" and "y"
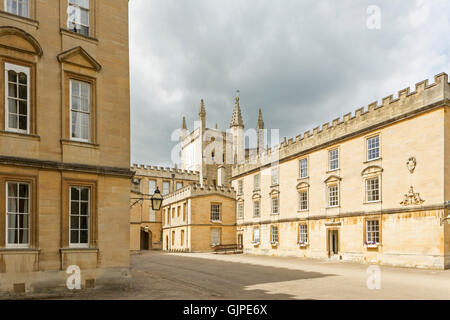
{"x": 304, "y": 62}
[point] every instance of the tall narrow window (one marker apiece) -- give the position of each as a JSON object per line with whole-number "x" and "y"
{"x": 275, "y": 205}
{"x": 215, "y": 212}
{"x": 18, "y": 7}
{"x": 302, "y": 234}
{"x": 373, "y": 148}
{"x": 372, "y": 232}
{"x": 179, "y": 185}
{"x": 78, "y": 16}
{"x": 275, "y": 177}
{"x": 79, "y": 216}
{"x": 240, "y": 214}
{"x": 256, "y": 181}
{"x": 303, "y": 200}
{"x": 17, "y": 88}
{"x": 182, "y": 238}
{"x": 333, "y": 157}
{"x": 304, "y": 168}
{"x": 151, "y": 186}
{"x": 256, "y": 208}
{"x": 256, "y": 238}
{"x": 373, "y": 189}
{"x": 166, "y": 187}
{"x": 333, "y": 196}
{"x": 274, "y": 234}
{"x": 240, "y": 187}
{"x": 80, "y": 110}
{"x": 17, "y": 214}
{"x": 215, "y": 237}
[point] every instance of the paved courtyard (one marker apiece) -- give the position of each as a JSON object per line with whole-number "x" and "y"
{"x": 171, "y": 276}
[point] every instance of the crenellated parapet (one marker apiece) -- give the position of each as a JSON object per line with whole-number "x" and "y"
{"x": 197, "y": 190}
{"x": 164, "y": 172}
{"x": 425, "y": 96}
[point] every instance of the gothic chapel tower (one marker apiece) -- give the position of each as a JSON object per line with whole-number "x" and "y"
{"x": 237, "y": 131}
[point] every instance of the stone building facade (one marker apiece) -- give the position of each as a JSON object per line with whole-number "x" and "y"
{"x": 145, "y": 223}
{"x": 64, "y": 144}
{"x": 198, "y": 218}
{"x": 372, "y": 187}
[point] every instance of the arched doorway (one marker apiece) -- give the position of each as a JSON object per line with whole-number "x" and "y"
{"x": 146, "y": 239}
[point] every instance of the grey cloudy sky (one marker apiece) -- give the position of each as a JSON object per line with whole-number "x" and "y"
{"x": 304, "y": 62}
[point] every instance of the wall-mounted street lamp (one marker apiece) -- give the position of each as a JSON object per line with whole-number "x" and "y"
{"x": 156, "y": 200}
{"x": 447, "y": 218}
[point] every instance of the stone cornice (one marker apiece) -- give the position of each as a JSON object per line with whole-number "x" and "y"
{"x": 61, "y": 166}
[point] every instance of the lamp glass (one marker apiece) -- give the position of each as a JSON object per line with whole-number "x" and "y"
{"x": 157, "y": 199}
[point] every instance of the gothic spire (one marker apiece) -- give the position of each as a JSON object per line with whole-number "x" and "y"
{"x": 260, "y": 124}
{"x": 183, "y": 124}
{"x": 236, "y": 121}
{"x": 202, "y": 108}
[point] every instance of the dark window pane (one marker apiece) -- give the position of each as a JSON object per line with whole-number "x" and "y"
{"x": 23, "y": 236}
{"x": 74, "y": 194}
{"x": 84, "y": 236}
{"x": 12, "y": 205}
{"x": 74, "y": 222}
{"x": 23, "y": 205}
{"x": 84, "y": 223}
{"x": 13, "y": 236}
{"x": 74, "y": 236}
{"x": 12, "y": 221}
{"x": 12, "y": 105}
{"x": 23, "y": 108}
{"x": 74, "y": 208}
{"x": 85, "y": 194}
{"x": 23, "y": 123}
{"x": 23, "y": 94}
{"x": 12, "y": 189}
{"x": 84, "y": 208}
{"x": 22, "y": 78}
{"x": 12, "y": 76}
{"x": 12, "y": 90}
{"x": 23, "y": 191}
{"x": 23, "y": 221}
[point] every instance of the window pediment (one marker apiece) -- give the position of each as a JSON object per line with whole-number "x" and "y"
{"x": 256, "y": 196}
{"x": 372, "y": 170}
{"x": 332, "y": 179}
{"x": 302, "y": 185}
{"x": 274, "y": 193}
{"x": 19, "y": 40}
{"x": 79, "y": 57}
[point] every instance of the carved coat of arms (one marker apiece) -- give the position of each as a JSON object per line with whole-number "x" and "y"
{"x": 411, "y": 164}
{"x": 412, "y": 198}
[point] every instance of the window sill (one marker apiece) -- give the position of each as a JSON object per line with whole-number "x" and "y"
{"x": 81, "y": 144}
{"x": 79, "y": 250}
{"x": 20, "y": 135}
{"x": 373, "y": 202}
{"x": 335, "y": 207}
{"x": 373, "y": 160}
{"x": 19, "y": 251}
{"x": 303, "y": 245}
{"x": 275, "y": 185}
{"x": 275, "y": 214}
{"x": 78, "y": 36}
{"x": 334, "y": 170}
{"x": 302, "y": 211}
{"x": 372, "y": 246}
{"x": 21, "y": 19}
{"x": 216, "y": 221}
{"x": 304, "y": 178}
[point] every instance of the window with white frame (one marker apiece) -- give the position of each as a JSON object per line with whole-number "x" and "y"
{"x": 166, "y": 187}
{"x": 303, "y": 234}
{"x": 372, "y": 232}
{"x": 333, "y": 157}
{"x": 80, "y": 110}
{"x": 304, "y": 168}
{"x": 18, "y": 7}
{"x": 303, "y": 200}
{"x": 373, "y": 189}
{"x": 240, "y": 187}
{"x": 256, "y": 237}
{"x": 256, "y": 181}
{"x": 152, "y": 215}
{"x": 274, "y": 234}
{"x": 373, "y": 148}
{"x": 79, "y": 216}
{"x": 215, "y": 236}
{"x": 215, "y": 212}
{"x": 275, "y": 207}
{"x": 274, "y": 176}
{"x": 256, "y": 208}
{"x": 240, "y": 213}
{"x": 333, "y": 196}
{"x": 151, "y": 187}
{"x": 17, "y": 98}
{"x": 17, "y": 214}
{"x": 78, "y": 16}
{"x": 179, "y": 185}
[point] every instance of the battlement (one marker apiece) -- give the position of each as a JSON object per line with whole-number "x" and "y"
{"x": 196, "y": 190}
{"x": 390, "y": 108}
{"x": 164, "y": 172}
